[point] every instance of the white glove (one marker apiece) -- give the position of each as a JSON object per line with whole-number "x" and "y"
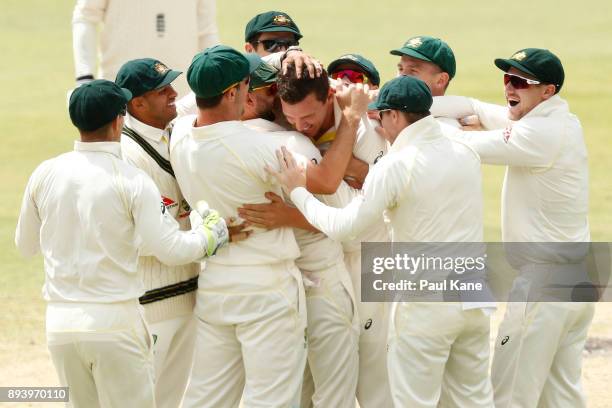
{"x": 212, "y": 224}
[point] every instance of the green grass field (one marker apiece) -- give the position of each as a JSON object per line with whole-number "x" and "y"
{"x": 36, "y": 71}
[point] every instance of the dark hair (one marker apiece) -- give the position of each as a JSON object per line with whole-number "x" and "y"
{"x": 208, "y": 103}
{"x": 293, "y": 90}
{"x": 412, "y": 117}
{"x": 253, "y": 40}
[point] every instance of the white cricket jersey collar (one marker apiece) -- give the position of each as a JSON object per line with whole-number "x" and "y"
{"x": 218, "y": 130}
{"x": 423, "y": 130}
{"x": 144, "y": 130}
{"x": 555, "y": 103}
{"x": 263, "y": 125}
{"x": 113, "y": 148}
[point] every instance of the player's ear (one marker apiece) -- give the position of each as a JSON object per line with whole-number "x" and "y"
{"x": 248, "y": 47}
{"x": 443, "y": 79}
{"x": 549, "y": 91}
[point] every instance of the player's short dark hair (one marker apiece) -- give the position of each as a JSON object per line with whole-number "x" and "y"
{"x": 293, "y": 90}
{"x": 412, "y": 117}
{"x": 208, "y": 103}
{"x": 96, "y": 134}
{"x": 253, "y": 40}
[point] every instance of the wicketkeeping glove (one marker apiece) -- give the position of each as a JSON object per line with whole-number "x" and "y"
{"x": 213, "y": 226}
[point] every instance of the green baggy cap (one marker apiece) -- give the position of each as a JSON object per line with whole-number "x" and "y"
{"x": 429, "y": 49}
{"x": 145, "y": 74}
{"x": 537, "y": 62}
{"x": 271, "y": 21}
{"x": 404, "y": 93}
{"x": 365, "y": 64}
{"x": 215, "y": 70}
{"x": 97, "y": 103}
{"x": 262, "y": 73}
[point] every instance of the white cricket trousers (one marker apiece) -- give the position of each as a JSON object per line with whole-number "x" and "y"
{"x": 108, "y": 368}
{"x": 250, "y": 337}
{"x": 333, "y": 336}
{"x": 373, "y": 389}
{"x": 439, "y": 356}
{"x": 538, "y": 355}
{"x": 173, "y": 350}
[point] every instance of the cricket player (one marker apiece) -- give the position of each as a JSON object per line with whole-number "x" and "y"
{"x": 250, "y": 307}
{"x": 171, "y": 32}
{"x": 354, "y": 69}
{"x": 538, "y": 352}
{"x": 170, "y": 295}
{"x": 421, "y": 162}
{"x": 91, "y": 215}
{"x": 271, "y": 32}
{"x": 333, "y": 325}
{"x": 311, "y": 108}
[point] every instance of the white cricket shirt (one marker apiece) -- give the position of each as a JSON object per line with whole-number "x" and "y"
{"x": 224, "y": 164}
{"x": 545, "y": 191}
{"x": 91, "y": 215}
{"x": 172, "y": 32}
{"x": 155, "y": 273}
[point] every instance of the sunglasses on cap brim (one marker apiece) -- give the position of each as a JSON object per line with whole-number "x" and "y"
{"x": 518, "y": 82}
{"x": 276, "y": 45}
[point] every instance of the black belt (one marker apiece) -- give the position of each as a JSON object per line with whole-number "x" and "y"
{"x": 165, "y": 292}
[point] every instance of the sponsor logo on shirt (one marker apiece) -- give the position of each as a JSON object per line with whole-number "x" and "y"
{"x": 368, "y": 324}
{"x": 507, "y": 133}
{"x": 379, "y": 156}
{"x": 168, "y": 202}
{"x": 505, "y": 340}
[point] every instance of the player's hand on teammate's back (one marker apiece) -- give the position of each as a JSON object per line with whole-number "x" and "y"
{"x": 291, "y": 174}
{"x": 275, "y": 214}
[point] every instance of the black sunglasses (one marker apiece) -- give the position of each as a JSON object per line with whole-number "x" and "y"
{"x": 274, "y": 45}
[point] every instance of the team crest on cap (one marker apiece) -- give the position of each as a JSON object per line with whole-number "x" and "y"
{"x": 519, "y": 56}
{"x": 160, "y": 68}
{"x": 349, "y": 57}
{"x": 414, "y": 42}
{"x": 281, "y": 20}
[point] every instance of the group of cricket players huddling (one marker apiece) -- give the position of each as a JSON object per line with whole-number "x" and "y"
{"x": 272, "y": 172}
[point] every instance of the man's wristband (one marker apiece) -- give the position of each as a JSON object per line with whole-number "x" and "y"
{"x": 288, "y": 50}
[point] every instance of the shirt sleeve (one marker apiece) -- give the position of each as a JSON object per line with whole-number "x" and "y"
{"x": 491, "y": 116}
{"x": 274, "y": 59}
{"x": 383, "y": 187}
{"x": 159, "y": 232}
{"x": 531, "y": 142}
{"x": 86, "y": 16}
{"x": 27, "y": 234}
{"x": 208, "y": 33}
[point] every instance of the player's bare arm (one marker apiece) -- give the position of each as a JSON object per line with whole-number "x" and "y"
{"x": 325, "y": 177}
